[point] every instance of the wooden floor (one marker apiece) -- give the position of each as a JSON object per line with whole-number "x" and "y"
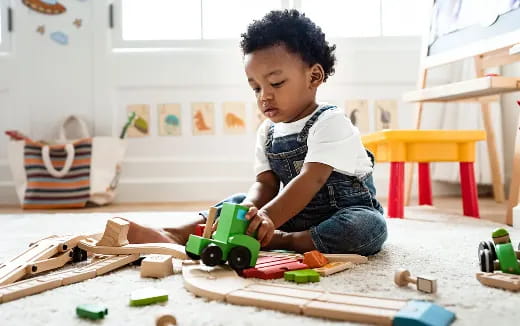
{"x": 489, "y": 209}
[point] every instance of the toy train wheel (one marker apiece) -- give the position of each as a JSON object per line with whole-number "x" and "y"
{"x": 211, "y": 255}
{"x": 486, "y": 262}
{"x": 192, "y": 255}
{"x": 78, "y": 254}
{"x": 239, "y": 258}
{"x": 489, "y": 245}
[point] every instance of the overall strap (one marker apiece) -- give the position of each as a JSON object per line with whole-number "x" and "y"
{"x": 269, "y": 138}
{"x": 302, "y": 137}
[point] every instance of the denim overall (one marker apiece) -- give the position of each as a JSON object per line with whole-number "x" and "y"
{"x": 344, "y": 216}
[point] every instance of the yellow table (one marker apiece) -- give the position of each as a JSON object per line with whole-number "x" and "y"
{"x": 425, "y": 146}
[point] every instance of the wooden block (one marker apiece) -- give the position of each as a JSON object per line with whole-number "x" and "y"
{"x": 302, "y": 276}
{"x": 500, "y": 280}
{"x": 199, "y": 229}
{"x": 273, "y": 267}
{"x": 314, "y": 259}
{"x": 333, "y": 267}
{"x": 91, "y": 311}
{"x": 157, "y": 266}
{"x": 143, "y": 297}
{"x": 116, "y": 232}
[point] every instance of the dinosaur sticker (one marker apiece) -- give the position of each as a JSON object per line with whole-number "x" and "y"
{"x": 234, "y": 117}
{"x": 203, "y": 118}
{"x": 140, "y": 126}
{"x": 357, "y": 112}
{"x": 385, "y": 112}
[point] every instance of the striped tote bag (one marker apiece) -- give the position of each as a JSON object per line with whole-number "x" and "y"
{"x": 57, "y": 176}
{"x": 69, "y": 174}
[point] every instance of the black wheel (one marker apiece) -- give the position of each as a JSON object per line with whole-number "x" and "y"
{"x": 192, "y": 256}
{"x": 78, "y": 255}
{"x": 489, "y": 245}
{"x": 486, "y": 262}
{"x": 211, "y": 255}
{"x": 239, "y": 258}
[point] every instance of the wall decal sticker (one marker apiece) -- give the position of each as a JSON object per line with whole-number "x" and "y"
{"x": 234, "y": 117}
{"x": 49, "y": 7}
{"x": 41, "y": 29}
{"x": 78, "y": 22}
{"x": 169, "y": 119}
{"x": 60, "y": 37}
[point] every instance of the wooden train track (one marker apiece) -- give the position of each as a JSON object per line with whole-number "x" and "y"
{"x": 223, "y": 284}
{"x": 172, "y": 249}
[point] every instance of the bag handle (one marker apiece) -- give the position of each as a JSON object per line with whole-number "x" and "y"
{"x": 80, "y": 122}
{"x": 69, "y": 148}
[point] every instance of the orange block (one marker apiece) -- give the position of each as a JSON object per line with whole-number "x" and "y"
{"x": 314, "y": 259}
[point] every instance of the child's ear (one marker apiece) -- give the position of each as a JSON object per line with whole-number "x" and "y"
{"x": 317, "y": 75}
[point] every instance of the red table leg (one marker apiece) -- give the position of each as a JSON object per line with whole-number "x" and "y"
{"x": 468, "y": 188}
{"x": 396, "y": 190}
{"x": 425, "y": 185}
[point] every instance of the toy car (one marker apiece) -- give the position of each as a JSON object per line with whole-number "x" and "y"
{"x": 499, "y": 254}
{"x": 229, "y": 242}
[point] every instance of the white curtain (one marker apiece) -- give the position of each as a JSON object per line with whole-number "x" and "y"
{"x": 464, "y": 115}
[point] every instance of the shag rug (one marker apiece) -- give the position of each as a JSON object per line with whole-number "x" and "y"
{"x": 427, "y": 242}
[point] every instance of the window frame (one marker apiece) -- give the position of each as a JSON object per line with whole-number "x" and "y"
{"x": 5, "y": 45}
{"x": 121, "y": 45}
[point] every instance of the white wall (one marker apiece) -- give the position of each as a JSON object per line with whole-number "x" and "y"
{"x": 41, "y": 82}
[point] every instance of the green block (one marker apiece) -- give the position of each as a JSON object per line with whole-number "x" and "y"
{"x": 500, "y": 232}
{"x": 302, "y": 276}
{"x": 147, "y": 296}
{"x": 91, "y": 311}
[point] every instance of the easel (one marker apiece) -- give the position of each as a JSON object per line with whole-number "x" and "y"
{"x": 487, "y": 53}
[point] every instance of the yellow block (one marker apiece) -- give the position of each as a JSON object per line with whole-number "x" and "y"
{"x": 423, "y": 145}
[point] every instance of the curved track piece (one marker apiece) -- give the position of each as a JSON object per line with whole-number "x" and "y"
{"x": 172, "y": 249}
{"x": 224, "y": 284}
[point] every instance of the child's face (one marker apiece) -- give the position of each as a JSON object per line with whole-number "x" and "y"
{"x": 282, "y": 83}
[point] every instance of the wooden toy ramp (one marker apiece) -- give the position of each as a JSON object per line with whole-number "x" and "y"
{"x": 223, "y": 284}
{"x": 172, "y": 249}
{"x": 38, "y": 257}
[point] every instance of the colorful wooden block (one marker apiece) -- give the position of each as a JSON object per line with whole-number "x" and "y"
{"x": 302, "y": 276}
{"x": 314, "y": 259}
{"x": 157, "y": 266}
{"x": 148, "y": 296}
{"x": 91, "y": 311}
{"x": 333, "y": 267}
{"x": 199, "y": 229}
{"x": 273, "y": 267}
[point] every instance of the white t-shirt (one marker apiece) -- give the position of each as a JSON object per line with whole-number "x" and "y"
{"x": 332, "y": 140}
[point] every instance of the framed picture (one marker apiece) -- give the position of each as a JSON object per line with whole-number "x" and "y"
{"x": 169, "y": 119}
{"x": 140, "y": 125}
{"x": 385, "y": 113}
{"x": 203, "y": 118}
{"x": 234, "y": 117}
{"x": 357, "y": 112}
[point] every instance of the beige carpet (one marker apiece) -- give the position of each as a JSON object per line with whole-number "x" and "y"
{"x": 427, "y": 242}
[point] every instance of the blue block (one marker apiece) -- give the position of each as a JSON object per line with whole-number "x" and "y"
{"x": 422, "y": 313}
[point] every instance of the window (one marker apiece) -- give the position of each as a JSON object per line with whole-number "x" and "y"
{"x": 345, "y": 18}
{"x": 149, "y": 23}
{"x": 392, "y": 20}
{"x": 229, "y": 18}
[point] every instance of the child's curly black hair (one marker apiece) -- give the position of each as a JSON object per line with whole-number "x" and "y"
{"x": 297, "y": 32}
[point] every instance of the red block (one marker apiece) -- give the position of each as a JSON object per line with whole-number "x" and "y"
{"x": 199, "y": 229}
{"x": 268, "y": 268}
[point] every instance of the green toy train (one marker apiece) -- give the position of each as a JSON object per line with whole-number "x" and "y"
{"x": 499, "y": 254}
{"x": 228, "y": 243}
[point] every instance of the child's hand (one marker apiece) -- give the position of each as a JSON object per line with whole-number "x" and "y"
{"x": 262, "y": 224}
